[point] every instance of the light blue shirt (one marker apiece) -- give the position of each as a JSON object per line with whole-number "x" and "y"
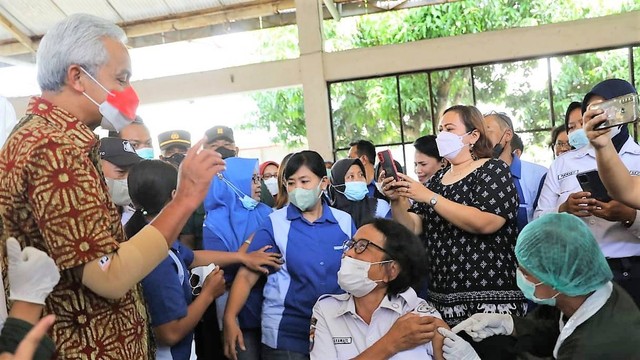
{"x": 526, "y": 177}
{"x": 312, "y": 254}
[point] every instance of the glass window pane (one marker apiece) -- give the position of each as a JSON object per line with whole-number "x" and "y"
{"x": 450, "y": 87}
{"x": 519, "y": 89}
{"x": 415, "y": 105}
{"x": 365, "y": 109}
{"x": 536, "y": 147}
{"x": 574, "y": 75}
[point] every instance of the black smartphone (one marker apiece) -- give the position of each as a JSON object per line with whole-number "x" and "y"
{"x": 388, "y": 165}
{"x": 590, "y": 181}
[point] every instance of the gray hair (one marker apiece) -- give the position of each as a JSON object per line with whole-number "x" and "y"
{"x": 76, "y": 40}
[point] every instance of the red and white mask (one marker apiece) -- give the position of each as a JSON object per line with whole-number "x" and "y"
{"x": 119, "y": 109}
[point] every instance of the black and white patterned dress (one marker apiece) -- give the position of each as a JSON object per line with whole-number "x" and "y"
{"x": 471, "y": 273}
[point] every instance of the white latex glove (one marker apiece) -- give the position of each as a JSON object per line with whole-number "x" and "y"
{"x": 455, "y": 347}
{"x": 32, "y": 273}
{"x": 480, "y": 326}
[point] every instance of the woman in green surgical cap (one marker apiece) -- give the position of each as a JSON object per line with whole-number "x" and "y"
{"x": 587, "y": 317}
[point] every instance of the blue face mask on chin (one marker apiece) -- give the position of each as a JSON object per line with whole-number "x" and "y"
{"x": 248, "y": 203}
{"x": 528, "y": 289}
{"x": 355, "y": 190}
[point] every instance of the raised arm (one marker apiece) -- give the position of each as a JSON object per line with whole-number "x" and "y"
{"x": 619, "y": 183}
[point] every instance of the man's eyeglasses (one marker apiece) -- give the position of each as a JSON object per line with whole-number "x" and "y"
{"x": 360, "y": 245}
{"x": 194, "y": 281}
{"x": 256, "y": 179}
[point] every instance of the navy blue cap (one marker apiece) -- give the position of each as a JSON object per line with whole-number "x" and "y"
{"x": 608, "y": 89}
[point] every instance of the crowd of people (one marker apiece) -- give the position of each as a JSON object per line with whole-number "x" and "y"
{"x": 201, "y": 253}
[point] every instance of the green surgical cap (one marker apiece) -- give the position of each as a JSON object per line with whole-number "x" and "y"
{"x": 560, "y": 250}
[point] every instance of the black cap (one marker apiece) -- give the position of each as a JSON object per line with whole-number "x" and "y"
{"x": 171, "y": 138}
{"x": 608, "y": 89}
{"x": 118, "y": 152}
{"x": 219, "y": 132}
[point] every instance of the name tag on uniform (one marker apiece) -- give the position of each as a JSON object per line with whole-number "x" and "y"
{"x": 338, "y": 248}
{"x": 567, "y": 174}
{"x": 342, "y": 340}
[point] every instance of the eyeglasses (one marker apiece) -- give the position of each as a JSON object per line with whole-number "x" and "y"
{"x": 360, "y": 245}
{"x": 267, "y": 176}
{"x": 194, "y": 280}
{"x": 256, "y": 179}
{"x": 562, "y": 144}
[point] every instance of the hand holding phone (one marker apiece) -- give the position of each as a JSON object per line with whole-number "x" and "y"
{"x": 388, "y": 165}
{"x": 590, "y": 182}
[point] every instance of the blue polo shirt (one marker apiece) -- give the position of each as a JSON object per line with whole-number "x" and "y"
{"x": 312, "y": 253}
{"x": 167, "y": 298}
{"x": 526, "y": 177}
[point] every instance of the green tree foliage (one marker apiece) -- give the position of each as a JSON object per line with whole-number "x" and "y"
{"x": 372, "y": 108}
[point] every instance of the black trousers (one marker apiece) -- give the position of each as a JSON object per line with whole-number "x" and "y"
{"x": 626, "y": 272}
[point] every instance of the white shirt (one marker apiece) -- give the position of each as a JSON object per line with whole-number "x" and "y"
{"x": 615, "y": 240}
{"x": 338, "y": 332}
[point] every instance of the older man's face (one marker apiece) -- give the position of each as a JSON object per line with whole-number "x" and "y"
{"x": 114, "y": 75}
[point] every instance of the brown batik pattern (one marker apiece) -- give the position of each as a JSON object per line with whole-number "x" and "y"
{"x": 53, "y": 197}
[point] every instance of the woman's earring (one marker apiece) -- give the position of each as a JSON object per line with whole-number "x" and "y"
{"x": 473, "y": 155}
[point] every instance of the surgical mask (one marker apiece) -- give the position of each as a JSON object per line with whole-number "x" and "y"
{"x": 449, "y": 144}
{"x": 272, "y": 185}
{"x": 528, "y": 289}
{"x": 305, "y": 199}
{"x": 578, "y": 139}
{"x": 353, "y": 276}
{"x": 146, "y": 153}
{"x": 226, "y": 153}
{"x": 247, "y": 201}
{"x": 119, "y": 109}
{"x": 355, "y": 190}
{"x": 119, "y": 191}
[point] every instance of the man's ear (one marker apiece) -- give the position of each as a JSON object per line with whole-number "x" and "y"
{"x": 74, "y": 78}
{"x": 393, "y": 271}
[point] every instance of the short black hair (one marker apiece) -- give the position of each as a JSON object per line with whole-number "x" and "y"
{"x": 308, "y": 158}
{"x": 574, "y": 105}
{"x": 516, "y": 143}
{"x": 365, "y": 148}
{"x": 407, "y": 251}
{"x": 427, "y": 145}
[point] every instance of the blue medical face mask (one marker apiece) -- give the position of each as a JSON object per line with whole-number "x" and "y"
{"x": 305, "y": 199}
{"x": 247, "y": 201}
{"x": 578, "y": 139}
{"x": 528, "y": 289}
{"x": 146, "y": 153}
{"x": 355, "y": 190}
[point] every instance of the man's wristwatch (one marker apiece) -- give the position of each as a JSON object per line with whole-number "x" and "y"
{"x": 434, "y": 200}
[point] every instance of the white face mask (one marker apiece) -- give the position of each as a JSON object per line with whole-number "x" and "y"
{"x": 272, "y": 185}
{"x": 353, "y": 276}
{"x": 449, "y": 144}
{"x": 119, "y": 191}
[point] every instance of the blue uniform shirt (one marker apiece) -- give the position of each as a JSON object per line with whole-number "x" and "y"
{"x": 312, "y": 254}
{"x": 167, "y": 299}
{"x": 526, "y": 177}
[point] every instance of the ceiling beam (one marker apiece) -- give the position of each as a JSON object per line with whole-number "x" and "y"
{"x": 19, "y": 35}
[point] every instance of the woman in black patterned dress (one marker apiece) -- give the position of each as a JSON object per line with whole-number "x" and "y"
{"x": 467, "y": 213}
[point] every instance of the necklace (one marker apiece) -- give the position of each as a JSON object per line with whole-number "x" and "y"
{"x": 459, "y": 170}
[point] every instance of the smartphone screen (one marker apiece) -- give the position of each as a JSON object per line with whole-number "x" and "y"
{"x": 387, "y": 164}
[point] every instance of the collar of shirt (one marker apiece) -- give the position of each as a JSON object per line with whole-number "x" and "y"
{"x": 515, "y": 167}
{"x": 293, "y": 213}
{"x": 395, "y": 303}
{"x": 77, "y": 131}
